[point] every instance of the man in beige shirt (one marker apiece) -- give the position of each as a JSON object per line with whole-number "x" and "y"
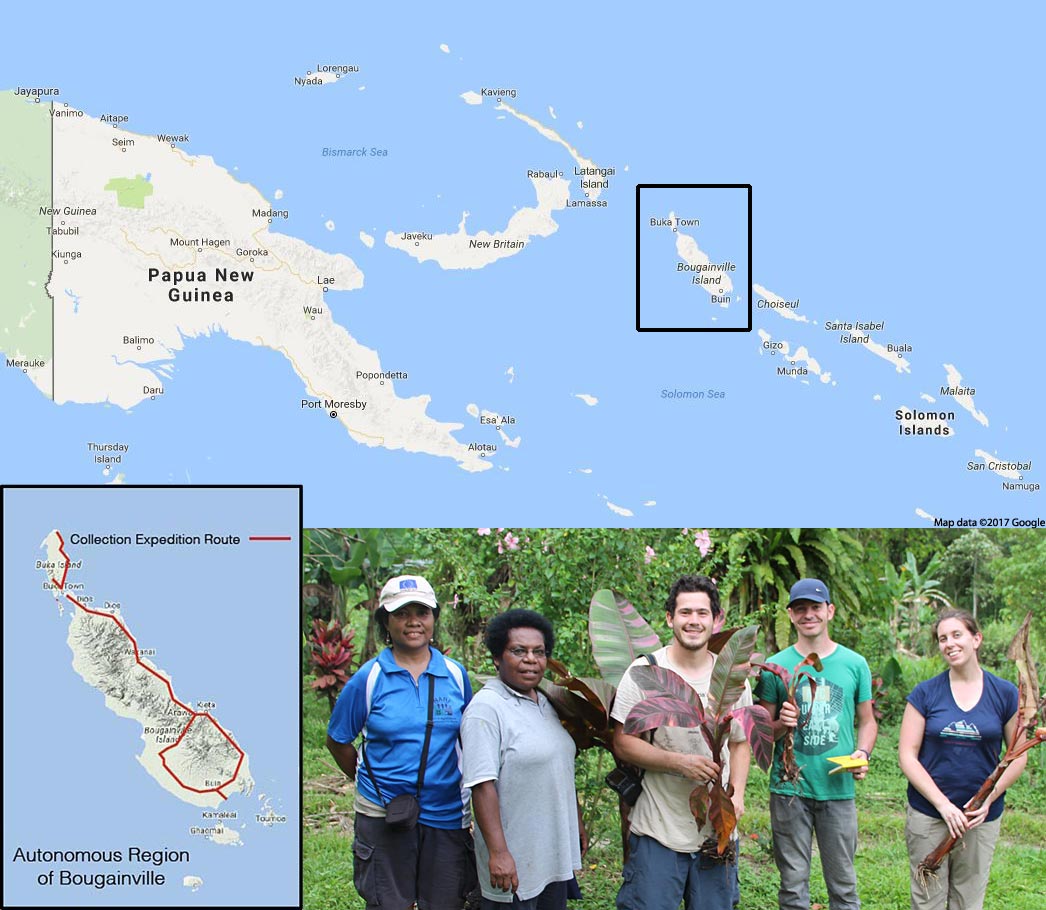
{"x": 665, "y": 865}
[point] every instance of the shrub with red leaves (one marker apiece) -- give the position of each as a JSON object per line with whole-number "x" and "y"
{"x": 331, "y": 655}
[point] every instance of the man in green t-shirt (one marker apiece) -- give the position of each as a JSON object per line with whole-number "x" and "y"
{"x": 818, "y": 803}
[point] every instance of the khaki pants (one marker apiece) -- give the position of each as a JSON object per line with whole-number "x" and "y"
{"x": 963, "y": 877}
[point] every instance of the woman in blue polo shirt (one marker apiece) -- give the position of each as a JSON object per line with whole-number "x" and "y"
{"x": 953, "y": 730}
{"x": 389, "y": 700}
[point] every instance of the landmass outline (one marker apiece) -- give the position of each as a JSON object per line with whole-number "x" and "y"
{"x": 194, "y": 714}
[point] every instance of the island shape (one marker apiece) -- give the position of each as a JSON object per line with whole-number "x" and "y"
{"x": 187, "y": 752}
{"x": 713, "y": 277}
{"x": 462, "y": 250}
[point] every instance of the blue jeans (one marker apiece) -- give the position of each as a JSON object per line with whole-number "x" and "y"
{"x": 657, "y": 878}
{"x": 794, "y": 820}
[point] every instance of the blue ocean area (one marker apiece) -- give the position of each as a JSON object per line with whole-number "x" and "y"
{"x": 878, "y": 195}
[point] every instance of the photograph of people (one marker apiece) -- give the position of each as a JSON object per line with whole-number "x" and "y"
{"x": 819, "y": 804}
{"x": 519, "y": 763}
{"x": 790, "y": 728}
{"x": 665, "y": 864}
{"x": 953, "y": 730}
{"x": 389, "y": 700}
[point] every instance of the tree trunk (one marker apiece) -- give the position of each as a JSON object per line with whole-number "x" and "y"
{"x": 371, "y": 644}
{"x": 770, "y": 632}
{"x": 975, "y": 586}
{"x": 913, "y": 621}
{"x": 338, "y": 604}
{"x": 626, "y": 810}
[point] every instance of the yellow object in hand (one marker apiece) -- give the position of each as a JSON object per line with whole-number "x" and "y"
{"x": 846, "y": 763}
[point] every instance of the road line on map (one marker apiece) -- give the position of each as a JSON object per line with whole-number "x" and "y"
{"x": 61, "y": 585}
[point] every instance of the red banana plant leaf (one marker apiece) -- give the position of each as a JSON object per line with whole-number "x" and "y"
{"x": 790, "y": 771}
{"x": 618, "y": 634}
{"x": 731, "y": 670}
{"x": 667, "y": 702}
{"x": 583, "y": 705}
{"x": 722, "y": 815}
{"x": 755, "y": 721}
{"x": 670, "y": 702}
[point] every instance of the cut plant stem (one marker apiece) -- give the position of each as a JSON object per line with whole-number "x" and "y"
{"x": 1030, "y": 709}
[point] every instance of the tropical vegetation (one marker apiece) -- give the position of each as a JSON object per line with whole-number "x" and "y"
{"x": 887, "y": 585}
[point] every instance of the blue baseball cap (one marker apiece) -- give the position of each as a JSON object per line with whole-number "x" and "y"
{"x": 809, "y": 589}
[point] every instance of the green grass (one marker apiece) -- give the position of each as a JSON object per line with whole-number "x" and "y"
{"x": 327, "y": 860}
{"x": 327, "y": 804}
{"x": 882, "y": 860}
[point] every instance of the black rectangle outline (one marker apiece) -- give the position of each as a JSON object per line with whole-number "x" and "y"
{"x": 301, "y": 623}
{"x": 698, "y": 186}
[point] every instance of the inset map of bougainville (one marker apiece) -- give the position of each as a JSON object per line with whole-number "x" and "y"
{"x": 132, "y": 618}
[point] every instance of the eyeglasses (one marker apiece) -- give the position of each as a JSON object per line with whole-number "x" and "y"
{"x": 536, "y": 653}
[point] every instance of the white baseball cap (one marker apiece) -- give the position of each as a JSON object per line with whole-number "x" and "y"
{"x": 406, "y": 589}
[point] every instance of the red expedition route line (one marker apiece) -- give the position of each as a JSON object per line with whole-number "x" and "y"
{"x": 134, "y": 644}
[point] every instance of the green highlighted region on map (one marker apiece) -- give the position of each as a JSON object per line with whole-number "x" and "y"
{"x": 130, "y": 193}
{"x": 25, "y": 220}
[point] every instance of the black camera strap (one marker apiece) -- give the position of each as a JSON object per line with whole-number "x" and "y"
{"x": 424, "y": 749}
{"x": 428, "y": 735}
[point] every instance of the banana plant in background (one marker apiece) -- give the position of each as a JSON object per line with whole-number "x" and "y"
{"x": 790, "y": 771}
{"x": 670, "y": 702}
{"x": 618, "y": 635}
{"x": 1029, "y": 732}
{"x": 583, "y": 705}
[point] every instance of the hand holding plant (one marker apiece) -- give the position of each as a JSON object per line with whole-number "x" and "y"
{"x": 789, "y": 714}
{"x": 1027, "y": 734}
{"x": 670, "y": 702}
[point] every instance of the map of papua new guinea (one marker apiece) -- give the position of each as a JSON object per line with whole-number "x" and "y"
{"x": 187, "y": 752}
{"x": 488, "y": 176}
{"x": 188, "y": 248}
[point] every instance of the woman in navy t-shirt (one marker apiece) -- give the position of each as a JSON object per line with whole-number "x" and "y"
{"x": 954, "y": 728}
